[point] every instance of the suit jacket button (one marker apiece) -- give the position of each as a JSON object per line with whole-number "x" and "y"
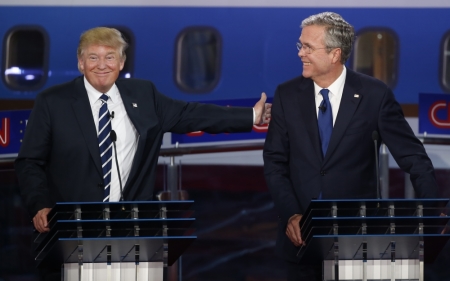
{"x": 322, "y": 173}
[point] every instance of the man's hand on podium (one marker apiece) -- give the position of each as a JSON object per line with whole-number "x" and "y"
{"x": 40, "y": 220}
{"x": 293, "y": 230}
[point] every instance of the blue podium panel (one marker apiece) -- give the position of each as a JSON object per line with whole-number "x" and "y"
{"x": 117, "y": 206}
{"x": 147, "y": 209}
{"x": 61, "y": 229}
{"x": 118, "y": 224}
{"x": 374, "y": 207}
{"x": 380, "y": 222}
{"x": 122, "y": 249}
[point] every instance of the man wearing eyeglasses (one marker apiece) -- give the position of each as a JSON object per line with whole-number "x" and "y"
{"x": 320, "y": 140}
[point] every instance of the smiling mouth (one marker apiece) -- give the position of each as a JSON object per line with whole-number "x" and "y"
{"x": 306, "y": 63}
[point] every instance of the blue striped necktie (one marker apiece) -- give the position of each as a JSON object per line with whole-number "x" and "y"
{"x": 325, "y": 121}
{"x": 105, "y": 145}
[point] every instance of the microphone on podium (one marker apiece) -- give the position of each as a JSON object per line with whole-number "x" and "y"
{"x": 113, "y": 137}
{"x": 375, "y": 138}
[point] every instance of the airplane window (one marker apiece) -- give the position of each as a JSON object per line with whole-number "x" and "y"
{"x": 198, "y": 51}
{"x": 376, "y": 54}
{"x": 445, "y": 61}
{"x": 25, "y": 66}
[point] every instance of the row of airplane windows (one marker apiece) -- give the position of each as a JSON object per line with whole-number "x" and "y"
{"x": 26, "y": 58}
{"x": 198, "y": 58}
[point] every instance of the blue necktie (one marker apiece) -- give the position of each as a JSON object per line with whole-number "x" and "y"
{"x": 325, "y": 121}
{"x": 105, "y": 145}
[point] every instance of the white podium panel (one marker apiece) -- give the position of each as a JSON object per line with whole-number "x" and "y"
{"x": 126, "y": 271}
{"x": 405, "y": 269}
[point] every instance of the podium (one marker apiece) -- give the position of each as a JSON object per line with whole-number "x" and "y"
{"x": 371, "y": 239}
{"x": 115, "y": 240}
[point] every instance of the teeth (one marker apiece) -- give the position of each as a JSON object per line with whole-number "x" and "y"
{"x": 307, "y": 63}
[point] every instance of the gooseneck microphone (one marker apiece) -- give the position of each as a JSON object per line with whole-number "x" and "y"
{"x": 375, "y": 140}
{"x": 113, "y": 137}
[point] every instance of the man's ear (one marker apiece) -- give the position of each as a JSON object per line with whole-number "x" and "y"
{"x": 337, "y": 53}
{"x": 80, "y": 65}
{"x": 122, "y": 64}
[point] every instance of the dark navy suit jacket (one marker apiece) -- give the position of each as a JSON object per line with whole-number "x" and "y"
{"x": 59, "y": 158}
{"x": 294, "y": 168}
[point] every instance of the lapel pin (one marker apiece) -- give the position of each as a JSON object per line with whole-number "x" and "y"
{"x": 356, "y": 96}
{"x": 134, "y": 104}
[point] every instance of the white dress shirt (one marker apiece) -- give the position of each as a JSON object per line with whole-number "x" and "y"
{"x": 127, "y": 136}
{"x": 335, "y": 95}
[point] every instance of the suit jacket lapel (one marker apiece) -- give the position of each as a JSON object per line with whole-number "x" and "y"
{"x": 349, "y": 103}
{"x": 83, "y": 113}
{"x": 307, "y": 105}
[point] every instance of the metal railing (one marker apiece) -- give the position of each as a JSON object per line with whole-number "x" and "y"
{"x": 173, "y": 187}
{"x": 235, "y": 147}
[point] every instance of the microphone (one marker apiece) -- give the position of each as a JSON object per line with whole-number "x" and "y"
{"x": 112, "y": 114}
{"x": 113, "y": 137}
{"x": 375, "y": 140}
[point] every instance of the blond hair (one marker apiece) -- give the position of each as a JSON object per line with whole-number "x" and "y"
{"x": 104, "y": 36}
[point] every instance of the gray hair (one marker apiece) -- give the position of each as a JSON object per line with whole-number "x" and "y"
{"x": 338, "y": 32}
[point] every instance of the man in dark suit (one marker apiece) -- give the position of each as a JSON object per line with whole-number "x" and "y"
{"x": 60, "y": 161}
{"x": 319, "y": 143}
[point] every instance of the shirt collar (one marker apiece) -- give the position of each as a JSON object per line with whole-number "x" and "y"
{"x": 95, "y": 95}
{"x": 336, "y": 88}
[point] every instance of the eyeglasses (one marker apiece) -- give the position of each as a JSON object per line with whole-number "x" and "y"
{"x": 308, "y": 49}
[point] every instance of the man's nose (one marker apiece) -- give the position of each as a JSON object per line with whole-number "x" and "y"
{"x": 101, "y": 63}
{"x": 301, "y": 52}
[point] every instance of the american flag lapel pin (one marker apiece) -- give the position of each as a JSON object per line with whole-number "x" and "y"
{"x": 134, "y": 104}
{"x": 356, "y": 96}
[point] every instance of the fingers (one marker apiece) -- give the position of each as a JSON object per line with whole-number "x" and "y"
{"x": 293, "y": 235}
{"x": 262, "y": 110}
{"x": 293, "y": 230}
{"x": 40, "y": 221}
{"x": 267, "y": 113}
